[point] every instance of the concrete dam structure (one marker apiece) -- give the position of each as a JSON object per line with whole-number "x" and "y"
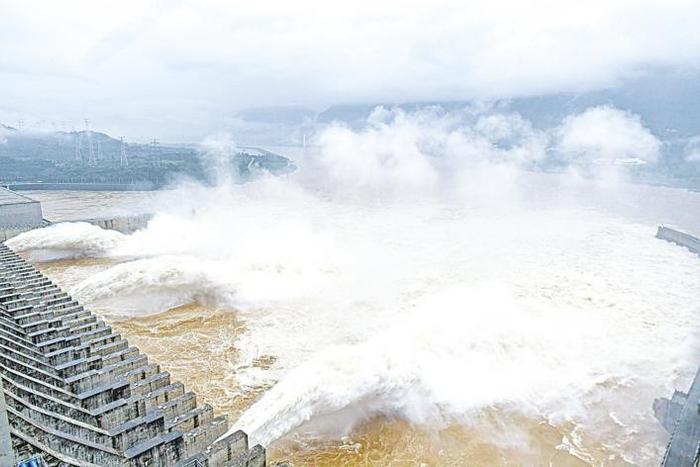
{"x": 123, "y": 224}
{"x": 679, "y": 238}
{"x": 75, "y": 393}
{"x": 18, "y": 214}
{"x": 680, "y": 415}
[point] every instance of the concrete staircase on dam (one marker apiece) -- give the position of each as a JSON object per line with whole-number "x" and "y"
{"x": 78, "y": 394}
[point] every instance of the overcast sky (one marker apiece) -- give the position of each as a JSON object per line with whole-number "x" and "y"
{"x": 179, "y": 70}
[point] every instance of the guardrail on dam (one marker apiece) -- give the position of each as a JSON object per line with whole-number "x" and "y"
{"x": 75, "y": 392}
{"x": 680, "y": 415}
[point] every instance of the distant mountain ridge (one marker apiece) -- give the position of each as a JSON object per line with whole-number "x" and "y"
{"x": 668, "y": 103}
{"x": 64, "y": 158}
{"x": 58, "y": 146}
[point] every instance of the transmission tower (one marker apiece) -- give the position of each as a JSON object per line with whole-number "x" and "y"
{"x": 91, "y": 152}
{"x": 78, "y": 153}
{"x": 155, "y": 152}
{"x": 123, "y": 160}
{"x": 100, "y": 156}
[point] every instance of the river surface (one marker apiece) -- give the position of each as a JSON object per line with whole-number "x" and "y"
{"x": 438, "y": 334}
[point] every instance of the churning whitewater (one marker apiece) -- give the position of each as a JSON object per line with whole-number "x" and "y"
{"x": 413, "y": 287}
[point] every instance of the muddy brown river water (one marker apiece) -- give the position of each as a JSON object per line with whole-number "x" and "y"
{"x": 564, "y": 378}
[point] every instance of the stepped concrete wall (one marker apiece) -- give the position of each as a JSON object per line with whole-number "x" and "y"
{"x": 77, "y": 393}
{"x": 6, "y": 455}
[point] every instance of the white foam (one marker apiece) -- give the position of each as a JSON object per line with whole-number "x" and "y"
{"x": 68, "y": 240}
{"x": 460, "y": 350}
{"x": 155, "y": 284}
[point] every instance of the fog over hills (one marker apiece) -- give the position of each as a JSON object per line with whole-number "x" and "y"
{"x": 668, "y": 101}
{"x": 664, "y": 105}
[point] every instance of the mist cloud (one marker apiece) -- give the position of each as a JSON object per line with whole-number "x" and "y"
{"x": 424, "y": 151}
{"x": 692, "y": 150}
{"x": 185, "y": 67}
{"x": 609, "y": 134}
{"x": 477, "y": 151}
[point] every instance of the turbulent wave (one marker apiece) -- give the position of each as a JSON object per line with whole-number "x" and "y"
{"x": 158, "y": 283}
{"x": 68, "y": 240}
{"x": 459, "y": 351}
{"x": 419, "y": 370}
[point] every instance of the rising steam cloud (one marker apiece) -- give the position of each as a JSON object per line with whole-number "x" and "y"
{"x": 159, "y": 283}
{"x": 425, "y": 151}
{"x": 608, "y": 133}
{"x": 68, "y": 239}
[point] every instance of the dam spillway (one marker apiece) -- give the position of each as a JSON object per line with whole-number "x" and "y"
{"x": 75, "y": 392}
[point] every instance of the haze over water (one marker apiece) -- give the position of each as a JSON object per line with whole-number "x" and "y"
{"x": 475, "y": 313}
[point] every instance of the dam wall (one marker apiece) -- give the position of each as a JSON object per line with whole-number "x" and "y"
{"x": 28, "y": 213}
{"x": 18, "y": 214}
{"x": 679, "y": 238}
{"x": 76, "y": 393}
{"x": 7, "y": 233}
{"x": 680, "y": 415}
{"x": 123, "y": 224}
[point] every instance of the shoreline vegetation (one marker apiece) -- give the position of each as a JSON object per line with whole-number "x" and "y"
{"x": 144, "y": 171}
